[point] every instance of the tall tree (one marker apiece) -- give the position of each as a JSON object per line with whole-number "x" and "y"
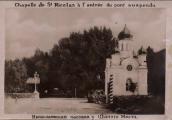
{"x": 84, "y": 56}
{"x": 15, "y": 76}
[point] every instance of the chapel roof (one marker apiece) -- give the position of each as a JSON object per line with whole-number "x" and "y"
{"x": 125, "y": 33}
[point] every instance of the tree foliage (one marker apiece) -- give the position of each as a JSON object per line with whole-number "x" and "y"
{"x": 15, "y": 76}
{"x": 80, "y": 58}
{"x": 75, "y": 62}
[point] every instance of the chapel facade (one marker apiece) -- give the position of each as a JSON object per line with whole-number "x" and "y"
{"x": 125, "y": 72}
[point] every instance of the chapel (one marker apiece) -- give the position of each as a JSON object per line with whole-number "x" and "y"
{"x": 126, "y": 71}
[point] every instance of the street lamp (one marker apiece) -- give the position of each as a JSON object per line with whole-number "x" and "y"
{"x": 36, "y": 79}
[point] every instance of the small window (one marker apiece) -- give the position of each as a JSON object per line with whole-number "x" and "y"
{"x": 130, "y": 85}
{"x": 129, "y": 67}
{"x": 127, "y": 47}
{"x": 122, "y": 48}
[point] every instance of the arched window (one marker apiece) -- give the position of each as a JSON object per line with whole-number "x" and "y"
{"x": 122, "y": 47}
{"x": 130, "y": 85}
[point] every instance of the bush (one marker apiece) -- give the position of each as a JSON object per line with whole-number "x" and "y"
{"x": 138, "y": 105}
{"x": 96, "y": 96}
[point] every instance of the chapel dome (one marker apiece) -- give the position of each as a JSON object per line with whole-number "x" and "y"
{"x": 125, "y": 33}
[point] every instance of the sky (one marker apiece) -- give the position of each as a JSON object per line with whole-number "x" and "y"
{"x": 29, "y": 29}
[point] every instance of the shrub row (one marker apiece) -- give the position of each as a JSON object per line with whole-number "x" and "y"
{"x": 138, "y": 105}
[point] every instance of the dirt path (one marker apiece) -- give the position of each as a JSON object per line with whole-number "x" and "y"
{"x": 53, "y": 105}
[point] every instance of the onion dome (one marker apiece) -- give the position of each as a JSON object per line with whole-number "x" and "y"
{"x": 125, "y": 33}
{"x": 142, "y": 51}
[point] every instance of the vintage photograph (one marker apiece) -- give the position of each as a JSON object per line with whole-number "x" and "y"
{"x": 85, "y": 61}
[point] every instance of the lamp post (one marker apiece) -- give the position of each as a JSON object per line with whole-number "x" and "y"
{"x": 36, "y": 77}
{"x": 36, "y": 81}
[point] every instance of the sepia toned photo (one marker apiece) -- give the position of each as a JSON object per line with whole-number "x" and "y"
{"x": 85, "y": 61}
